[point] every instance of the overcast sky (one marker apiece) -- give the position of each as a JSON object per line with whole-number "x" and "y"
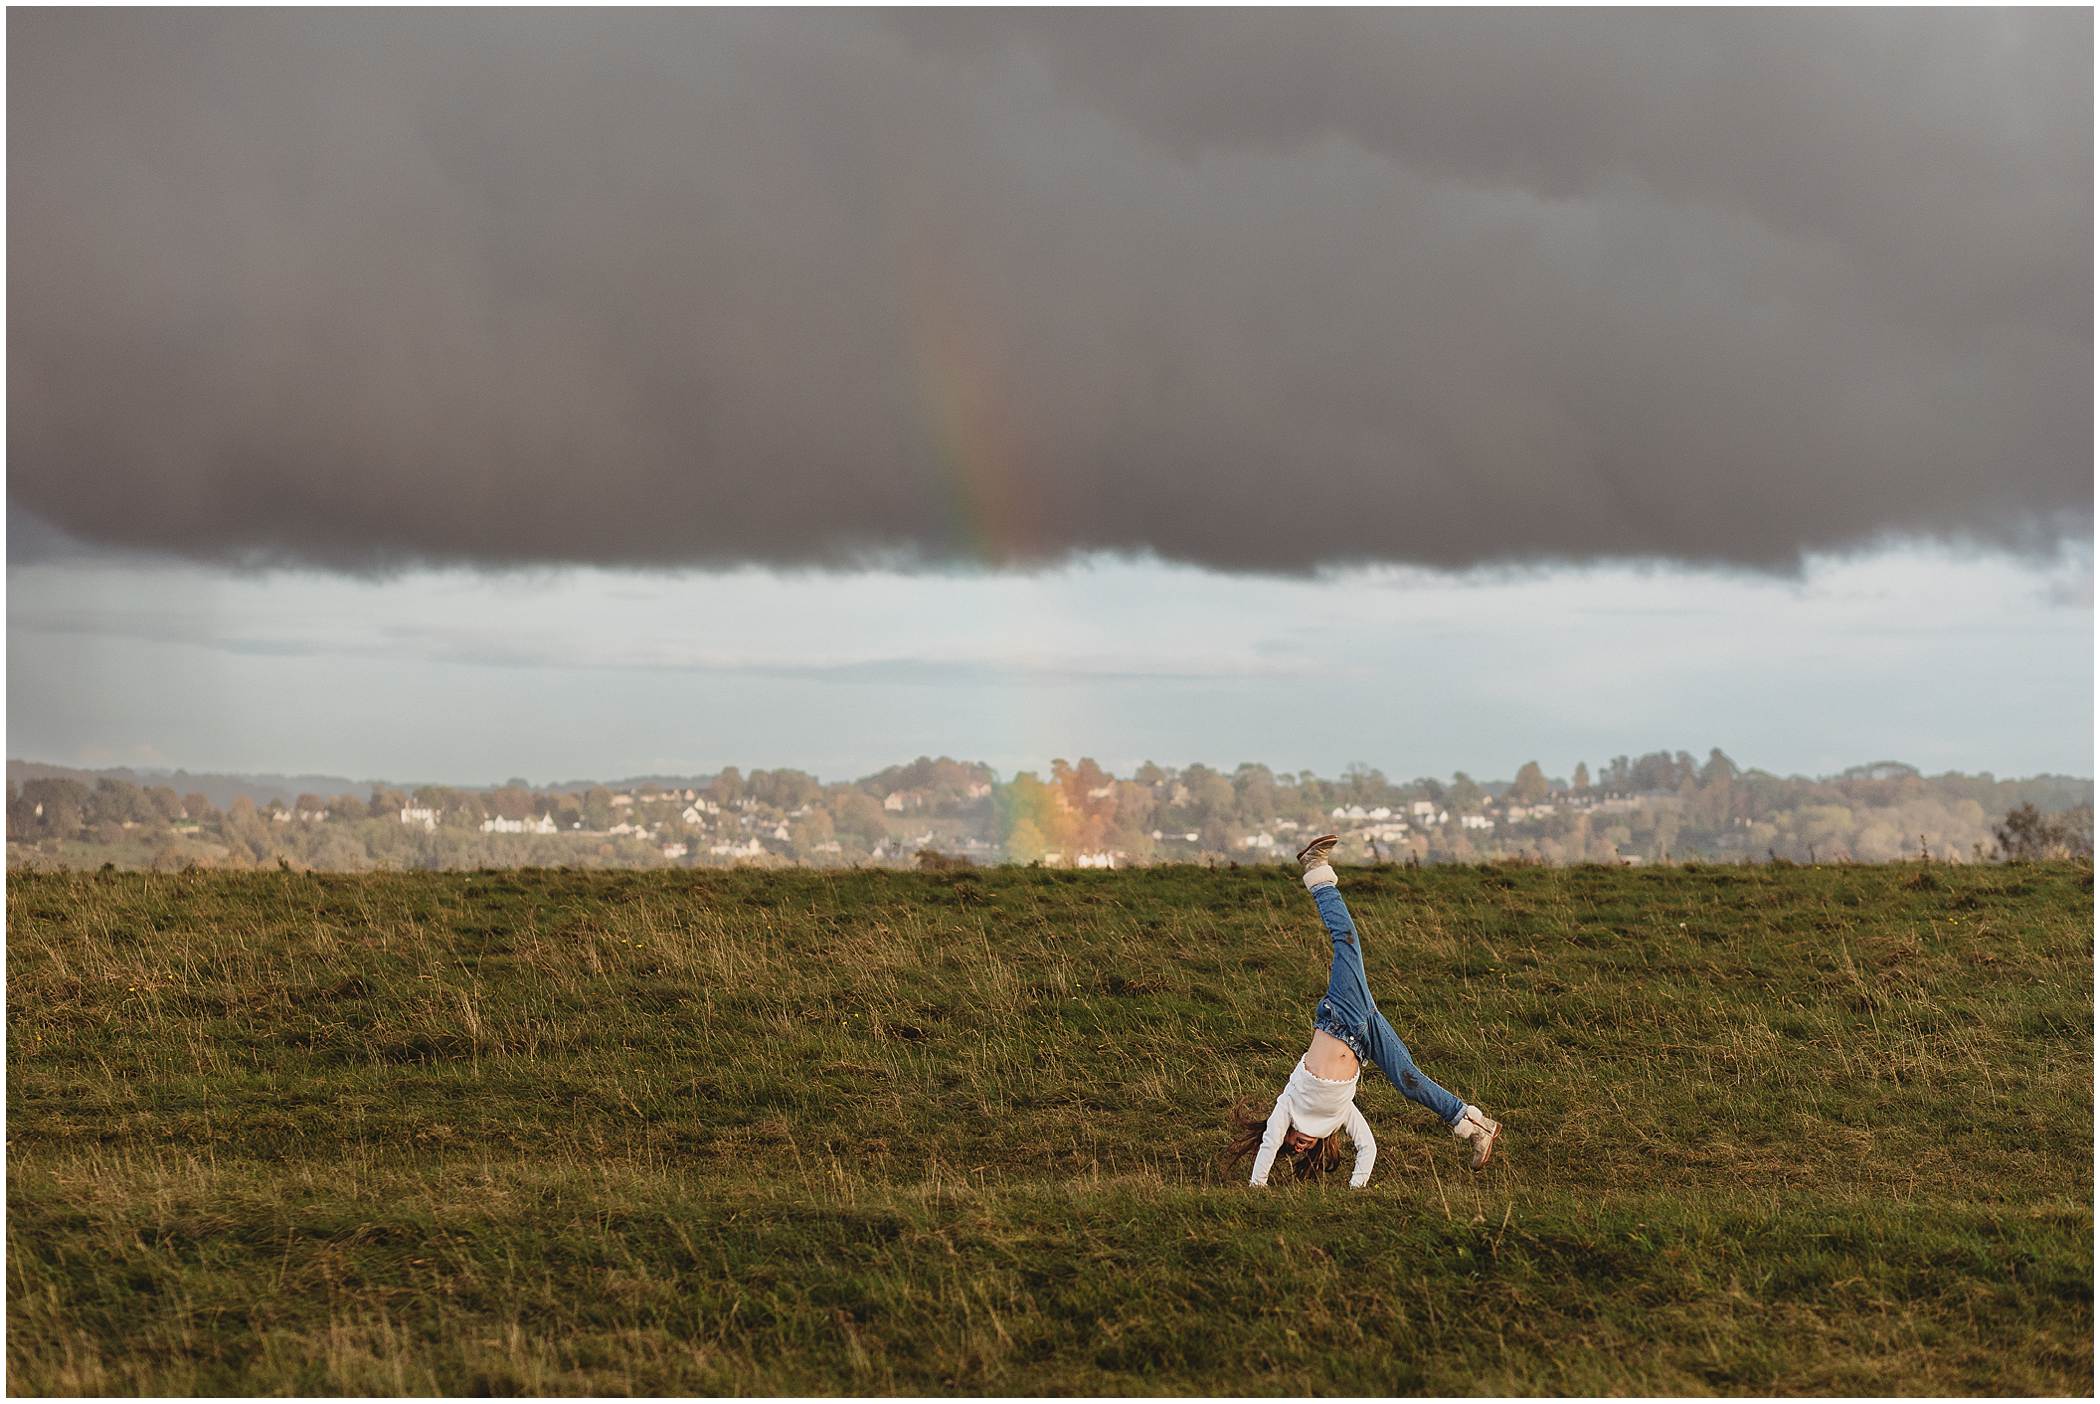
{"x": 471, "y": 393}
{"x": 1946, "y": 661}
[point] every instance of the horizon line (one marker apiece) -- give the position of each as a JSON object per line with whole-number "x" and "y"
{"x": 998, "y": 776}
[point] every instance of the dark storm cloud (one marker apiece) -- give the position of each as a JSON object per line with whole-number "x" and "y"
{"x": 1256, "y": 290}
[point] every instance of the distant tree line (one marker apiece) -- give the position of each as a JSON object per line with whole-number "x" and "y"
{"x": 1659, "y": 807}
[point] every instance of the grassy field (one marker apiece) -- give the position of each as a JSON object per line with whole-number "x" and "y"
{"x": 1771, "y": 1129}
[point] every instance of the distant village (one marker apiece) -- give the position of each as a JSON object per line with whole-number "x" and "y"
{"x": 753, "y": 830}
{"x": 1659, "y": 808}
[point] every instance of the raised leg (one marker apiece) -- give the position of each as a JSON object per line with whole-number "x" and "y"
{"x": 1346, "y": 985}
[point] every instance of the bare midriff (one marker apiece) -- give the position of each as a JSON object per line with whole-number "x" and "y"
{"x": 1330, "y": 1058}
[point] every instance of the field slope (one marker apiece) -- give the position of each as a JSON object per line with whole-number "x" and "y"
{"x": 1780, "y": 1130}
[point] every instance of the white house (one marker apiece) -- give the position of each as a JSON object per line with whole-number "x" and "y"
{"x": 1264, "y": 842}
{"x": 1422, "y": 809}
{"x": 622, "y": 801}
{"x": 675, "y": 850}
{"x": 977, "y": 789}
{"x": 1094, "y": 860}
{"x": 749, "y": 848}
{"x": 1475, "y": 821}
{"x": 419, "y": 814}
{"x": 894, "y": 801}
{"x": 543, "y": 825}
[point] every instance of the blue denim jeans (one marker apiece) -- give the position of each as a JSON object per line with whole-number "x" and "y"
{"x": 1351, "y": 1015}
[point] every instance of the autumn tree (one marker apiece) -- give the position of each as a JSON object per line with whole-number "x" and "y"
{"x": 858, "y": 817}
{"x": 1025, "y": 842}
{"x": 513, "y": 802}
{"x": 64, "y": 805}
{"x": 2026, "y": 835}
{"x": 1364, "y": 784}
{"x": 1718, "y": 770}
{"x": 1211, "y": 795}
{"x": 245, "y": 829}
{"x": 1530, "y": 785}
{"x": 812, "y": 829}
{"x": 784, "y": 789}
{"x": 1027, "y": 800}
{"x": 1257, "y": 797}
{"x": 115, "y": 801}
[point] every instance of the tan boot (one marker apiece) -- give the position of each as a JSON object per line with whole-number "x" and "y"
{"x": 1481, "y": 1131}
{"x": 1315, "y": 853}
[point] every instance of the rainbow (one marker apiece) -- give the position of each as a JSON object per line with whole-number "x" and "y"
{"x": 955, "y": 359}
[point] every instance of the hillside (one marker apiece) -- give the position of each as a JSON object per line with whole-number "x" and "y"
{"x": 1771, "y": 1130}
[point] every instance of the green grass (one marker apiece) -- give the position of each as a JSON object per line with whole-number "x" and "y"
{"x": 1771, "y": 1130}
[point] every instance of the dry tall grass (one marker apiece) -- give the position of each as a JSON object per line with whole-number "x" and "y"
{"x": 1771, "y": 1130}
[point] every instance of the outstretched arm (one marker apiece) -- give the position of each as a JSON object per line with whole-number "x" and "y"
{"x": 1366, "y": 1149}
{"x": 1271, "y": 1139}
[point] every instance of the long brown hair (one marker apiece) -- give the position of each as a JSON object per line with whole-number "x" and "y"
{"x": 1248, "y": 1122}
